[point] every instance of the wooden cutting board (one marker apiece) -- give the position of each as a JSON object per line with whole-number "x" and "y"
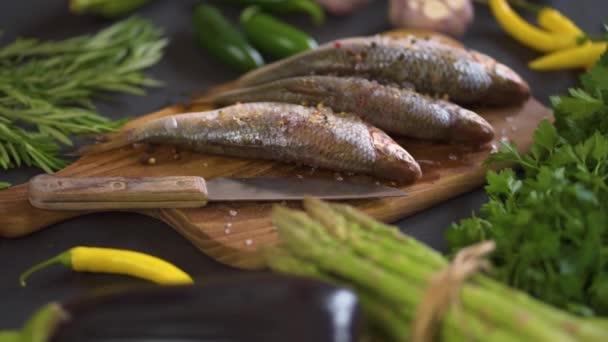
{"x": 233, "y": 233}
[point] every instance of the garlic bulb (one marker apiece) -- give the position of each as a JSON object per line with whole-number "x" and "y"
{"x": 341, "y": 7}
{"x": 447, "y": 16}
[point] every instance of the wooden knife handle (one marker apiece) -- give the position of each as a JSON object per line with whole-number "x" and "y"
{"x": 67, "y": 193}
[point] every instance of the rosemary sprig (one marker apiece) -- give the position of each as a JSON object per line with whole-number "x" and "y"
{"x": 22, "y": 148}
{"x": 46, "y": 88}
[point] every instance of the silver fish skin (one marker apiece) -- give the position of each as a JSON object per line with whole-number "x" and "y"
{"x": 431, "y": 67}
{"x": 397, "y": 111}
{"x": 285, "y": 132}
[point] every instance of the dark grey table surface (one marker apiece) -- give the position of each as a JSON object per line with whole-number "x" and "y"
{"x": 186, "y": 68}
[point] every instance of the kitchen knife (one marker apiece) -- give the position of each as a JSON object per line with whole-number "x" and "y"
{"x": 67, "y": 193}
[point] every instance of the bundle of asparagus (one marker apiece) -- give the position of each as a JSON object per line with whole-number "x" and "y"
{"x": 391, "y": 273}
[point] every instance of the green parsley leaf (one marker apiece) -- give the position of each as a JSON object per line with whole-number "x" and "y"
{"x": 551, "y": 224}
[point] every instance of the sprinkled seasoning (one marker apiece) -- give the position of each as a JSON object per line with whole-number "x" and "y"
{"x": 339, "y": 142}
{"x": 144, "y": 159}
{"x": 227, "y": 231}
{"x": 426, "y": 162}
{"x": 299, "y": 176}
{"x": 402, "y": 112}
{"x": 465, "y": 76}
{"x": 452, "y": 156}
{"x": 249, "y": 242}
{"x": 232, "y": 212}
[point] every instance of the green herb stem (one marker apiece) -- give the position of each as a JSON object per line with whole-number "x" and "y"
{"x": 47, "y": 88}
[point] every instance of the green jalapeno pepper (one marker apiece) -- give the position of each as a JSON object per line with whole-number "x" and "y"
{"x": 106, "y": 8}
{"x": 273, "y": 36}
{"x": 314, "y": 10}
{"x": 223, "y": 41}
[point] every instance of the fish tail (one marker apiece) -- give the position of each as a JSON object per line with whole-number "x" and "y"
{"x": 223, "y": 98}
{"x": 106, "y": 142}
{"x": 207, "y": 100}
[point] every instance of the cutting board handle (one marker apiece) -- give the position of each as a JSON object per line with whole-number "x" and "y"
{"x": 19, "y": 218}
{"x": 94, "y": 193}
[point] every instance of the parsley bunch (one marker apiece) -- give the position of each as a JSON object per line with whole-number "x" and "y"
{"x": 551, "y": 225}
{"x": 46, "y": 88}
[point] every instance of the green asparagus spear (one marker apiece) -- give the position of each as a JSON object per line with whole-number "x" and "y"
{"x": 391, "y": 272}
{"x": 331, "y": 257}
{"x": 307, "y": 239}
{"x": 380, "y": 314}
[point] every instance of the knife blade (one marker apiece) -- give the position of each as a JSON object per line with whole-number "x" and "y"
{"x": 71, "y": 193}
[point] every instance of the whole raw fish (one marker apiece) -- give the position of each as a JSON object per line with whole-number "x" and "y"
{"x": 399, "y": 111}
{"x": 283, "y": 132}
{"x": 428, "y": 66}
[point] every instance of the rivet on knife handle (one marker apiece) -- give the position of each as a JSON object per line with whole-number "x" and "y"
{"x": 67, "y": 193}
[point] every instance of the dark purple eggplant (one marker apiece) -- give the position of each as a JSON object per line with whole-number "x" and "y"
{"x": 238, "y": 308}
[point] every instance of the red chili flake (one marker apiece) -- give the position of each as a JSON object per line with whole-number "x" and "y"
{"x": 362, "y": 101}
{"x": 337, "y": 45}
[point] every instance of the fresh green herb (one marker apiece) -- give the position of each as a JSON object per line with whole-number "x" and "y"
{"x": 46, "y": 88}
{"x": 551, "y": 225}
{"x": 19, "y": 147}
{"x": 4, "y": 185}
{"x": 391, "y": 273}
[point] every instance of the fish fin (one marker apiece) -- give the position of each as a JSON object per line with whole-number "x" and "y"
{"x": 106, "y": 142}
{"x": 304, "y": 89}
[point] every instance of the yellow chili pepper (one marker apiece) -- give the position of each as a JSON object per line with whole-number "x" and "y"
{"x": 553, "y": 20}
{"x": 574, "y": 58}
{"x": 116, "y": 261}
{"x": 527, "y": 33}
